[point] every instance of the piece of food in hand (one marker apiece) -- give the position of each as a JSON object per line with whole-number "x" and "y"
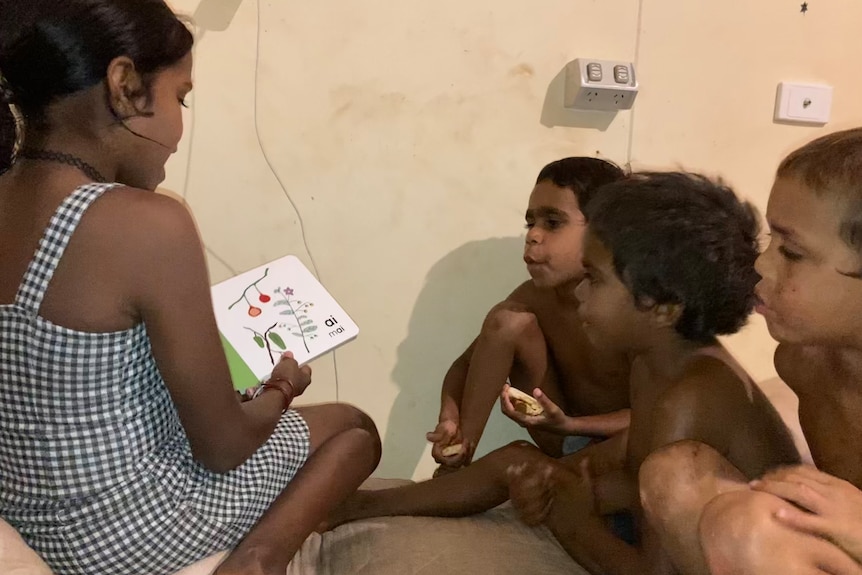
{"x": 452, "y": 450}
{"x": 524, "y": 403}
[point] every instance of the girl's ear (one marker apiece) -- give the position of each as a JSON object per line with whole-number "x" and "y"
{"x": 127, "y": 94}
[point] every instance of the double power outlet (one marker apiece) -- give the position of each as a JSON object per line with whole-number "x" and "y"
{"x": 605, "y": 85}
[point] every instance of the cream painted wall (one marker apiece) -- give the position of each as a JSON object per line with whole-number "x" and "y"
{"x": 403, "y": 140}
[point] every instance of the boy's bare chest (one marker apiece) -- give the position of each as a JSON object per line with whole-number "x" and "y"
{"x": 830, "y": 408}
{"x": 833, "y": 430}
{"x": 593, "y": 380}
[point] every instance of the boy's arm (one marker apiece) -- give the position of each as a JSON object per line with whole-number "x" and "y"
{"x": 453, "y": 386}
{"x": 614, "y": 489}
{"x": 818, "y": 504}
{"x": 554, "y": 420}
{"x": 448, "y": 429}
{"x": 603, "y": 425}
{"x": 584, "y": 533}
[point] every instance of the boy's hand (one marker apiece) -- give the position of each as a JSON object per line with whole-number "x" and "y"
{"x": 445, "y": 434}
{"x": 287, "y": 368}
{"x": 545, "y": 491}
{"x": 531, "y": 490}
{"x": 831, "y": 508}
{"x": 553, "y": 419}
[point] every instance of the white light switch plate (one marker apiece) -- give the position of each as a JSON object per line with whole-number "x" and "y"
{"x": 803, "y": 103}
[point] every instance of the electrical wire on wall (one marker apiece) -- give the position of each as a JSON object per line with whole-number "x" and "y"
{"x": 278, "y": 179}
{"x": 636, "y": 62}
{"x": 263, "y": 151}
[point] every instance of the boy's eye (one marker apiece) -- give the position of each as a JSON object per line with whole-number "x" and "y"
{"x": 553, "y": 224}
{"x": 789, "y": 255}
{"x": 529, "y": 224}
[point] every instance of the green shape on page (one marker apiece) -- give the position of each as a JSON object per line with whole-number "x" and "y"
{"x": 240, "y": 373}
{"x": 276, "y": 339}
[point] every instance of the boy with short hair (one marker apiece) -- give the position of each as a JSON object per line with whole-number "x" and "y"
{"x": 534, "y": 338}
{"x": 798, "y": 519}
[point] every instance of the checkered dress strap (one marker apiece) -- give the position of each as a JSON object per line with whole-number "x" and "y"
{"x": 53, "y": 243}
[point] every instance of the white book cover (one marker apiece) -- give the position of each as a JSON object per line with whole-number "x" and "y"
{"x": 277, "y": 307}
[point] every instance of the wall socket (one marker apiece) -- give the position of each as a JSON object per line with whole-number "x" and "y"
{"x": 606, "y": 85}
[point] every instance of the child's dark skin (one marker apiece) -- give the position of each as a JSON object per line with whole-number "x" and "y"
{"x": 798, "y": 519}
{"x": 680, "y": 390}
{"x": 535, "y": 339}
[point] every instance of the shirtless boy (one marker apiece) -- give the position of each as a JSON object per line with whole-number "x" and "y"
{"x": 668, "y": 266}
{"x": 534, "y": 337}
{"x": 799, "y": 519}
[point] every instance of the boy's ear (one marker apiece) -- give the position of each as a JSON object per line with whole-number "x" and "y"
{"x": 667, "y": 314}
{"x": 126, "y": 92}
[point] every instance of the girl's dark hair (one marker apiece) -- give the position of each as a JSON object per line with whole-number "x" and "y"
{"x": 681, "y": 238}
{"x": 582, "y": 175}
{"x": 50, "y": 49}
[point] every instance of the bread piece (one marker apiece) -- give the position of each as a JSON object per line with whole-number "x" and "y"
{"x": 523, "y": 403}
{"x": 452, "y": 450}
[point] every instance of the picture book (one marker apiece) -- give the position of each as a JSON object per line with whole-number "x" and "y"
{"x": 273, "y": 308}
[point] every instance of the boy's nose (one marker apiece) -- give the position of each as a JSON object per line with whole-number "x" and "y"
{"x": 763, "y": 264}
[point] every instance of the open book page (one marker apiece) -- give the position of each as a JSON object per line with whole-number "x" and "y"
{"x": 273, "y": 308}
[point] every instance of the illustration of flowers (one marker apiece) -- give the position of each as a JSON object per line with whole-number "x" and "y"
{"x": 298, "y": 324}
{"x": 301, "y": 325}
{"x": 253, "y": 310}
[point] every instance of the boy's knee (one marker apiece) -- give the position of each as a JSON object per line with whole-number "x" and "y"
{"x": 667, "y": 479}
{"x": 509, "y": 323}
{"x": 734, "y": 529}
{"x": 517, "y": 452}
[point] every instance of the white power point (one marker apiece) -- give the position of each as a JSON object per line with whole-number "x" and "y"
{"x": 600, "y": 85}
{"x": 803, "y": 103}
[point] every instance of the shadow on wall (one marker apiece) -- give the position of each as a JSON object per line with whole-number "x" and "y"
{"x": 215, "y": 15}
{"x": 459, "y": 291}
{"x": 554, "y": 113}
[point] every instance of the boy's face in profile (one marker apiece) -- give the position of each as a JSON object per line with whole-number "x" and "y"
{"x": 803, "y": 294}
{"x": 607, "y": 308}
{"x": 555, "y": 230}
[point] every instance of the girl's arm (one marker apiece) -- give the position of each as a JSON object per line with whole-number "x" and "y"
{"x": 171, "y": 294}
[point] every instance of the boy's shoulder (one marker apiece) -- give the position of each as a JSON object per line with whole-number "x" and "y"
{"x": 539, "y": 299}
{"x": 710, "y": 382}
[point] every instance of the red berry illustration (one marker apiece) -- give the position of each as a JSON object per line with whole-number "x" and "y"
{"x": 254, "y": 311}
{"x": 264, "y": 298}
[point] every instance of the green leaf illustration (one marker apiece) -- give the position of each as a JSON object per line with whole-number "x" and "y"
{"x": 276, "y": 339}
{"x": 306, "y": 322}
{"x": 258, "y": 340}
{"x": 281, "y": 302}
{"x": 287, "y": 312}
{"x": 309, "y": 329}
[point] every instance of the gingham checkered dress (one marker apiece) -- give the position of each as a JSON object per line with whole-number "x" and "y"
{"x": 96, "y": 471}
